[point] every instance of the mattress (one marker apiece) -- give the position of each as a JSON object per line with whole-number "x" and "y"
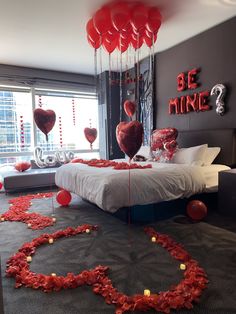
{"x": 112, "y": 189}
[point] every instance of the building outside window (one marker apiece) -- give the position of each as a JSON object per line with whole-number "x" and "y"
{"x": 19, "y": 135}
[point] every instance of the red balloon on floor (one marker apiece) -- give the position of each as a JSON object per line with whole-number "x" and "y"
{"x": 196, "y": 210}
{"x": 1, "y": 185}
{"x": 63, "y": 197}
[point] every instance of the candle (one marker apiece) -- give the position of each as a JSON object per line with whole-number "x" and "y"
{"x": 2, "y": 219}
{"x": 87, "y": 230}
{"x": 29, "y": 225}
{"x": 53, "y": 274}
{"x": 29, "y": 259}
{"x": 182, "y": 266}
{"x": 154, "y": 239}
{"x": 54, "y": 219}
{"x": 50, "y": 241}
{"x": 147, "y": 293}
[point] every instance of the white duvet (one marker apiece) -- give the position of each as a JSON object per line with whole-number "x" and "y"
{"x": 109, "y": 189}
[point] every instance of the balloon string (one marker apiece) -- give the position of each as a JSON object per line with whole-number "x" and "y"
{"x": 96, "y": 72}
{"x": 121, "y": 94}
{"x": 110, "y": 109}
{"x": 129, "y": 191}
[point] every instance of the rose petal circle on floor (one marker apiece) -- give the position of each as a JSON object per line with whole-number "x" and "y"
{"x": 179, "y": 296}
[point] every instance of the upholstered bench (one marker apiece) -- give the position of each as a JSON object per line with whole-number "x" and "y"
{"x": 29, "y": 179}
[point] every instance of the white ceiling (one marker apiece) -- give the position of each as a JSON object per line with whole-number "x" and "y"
{"x": 50, "y": 34}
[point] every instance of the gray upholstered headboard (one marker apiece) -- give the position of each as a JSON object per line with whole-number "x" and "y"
{"x": 224, "y": 138}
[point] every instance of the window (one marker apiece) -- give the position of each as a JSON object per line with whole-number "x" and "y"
{"x": 19, "y": 134}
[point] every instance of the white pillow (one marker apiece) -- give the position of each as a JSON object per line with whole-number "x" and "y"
{"x": 210, "y": 155}
{"x": 144, "y": 151}
{"x": 191, "y": 156}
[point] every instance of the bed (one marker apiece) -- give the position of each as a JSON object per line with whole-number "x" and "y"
{"x": 109, "y": 188}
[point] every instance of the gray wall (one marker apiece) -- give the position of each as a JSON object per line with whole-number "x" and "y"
{"x": 214, "y": 52}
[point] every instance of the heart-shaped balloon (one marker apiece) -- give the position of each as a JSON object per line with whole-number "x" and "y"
{"x": 22, "y": 166}
{"x": 129, "y": 136}
{"x": 90, "y": 134}
{"x": 130, "y": 108}
{"x": 45, "y": 120}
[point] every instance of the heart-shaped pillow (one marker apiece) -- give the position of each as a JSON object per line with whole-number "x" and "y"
{"x": 22, "y": 166}
{"x": 45, "y": 120}
{"x": 129, "y": 136}
{"x": 90, "y": 134}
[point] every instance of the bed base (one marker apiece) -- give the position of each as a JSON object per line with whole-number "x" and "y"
{"x": 153, "y": 212}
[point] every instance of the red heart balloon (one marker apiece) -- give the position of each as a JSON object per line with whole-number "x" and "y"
{"x": 22, "y": 166}
{"x": 90, "y": 134}
{"x": 45, "y": 120}
{"x": 129, "y": 136}
{"x": 130, "y": 108}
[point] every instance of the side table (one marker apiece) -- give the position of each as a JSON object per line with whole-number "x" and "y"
{"x": 227, "y": 192}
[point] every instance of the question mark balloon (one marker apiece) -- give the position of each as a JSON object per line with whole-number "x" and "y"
{"x": 219, "y": 90}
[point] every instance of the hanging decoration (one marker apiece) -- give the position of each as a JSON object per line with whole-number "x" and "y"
{"x": 90, "y": 134}
{"x": 60, "y": 132}
{"x": 180, "y": 296}
{"x": 129, "y": 136}
{"x": 45, "y": 120}
{"x": 22, "y": 133}
{"x": 18, "y": 211}
{"x": 130, "y": 108}
{"x": 73, "y": 111}
{"x": 40, "y": 102}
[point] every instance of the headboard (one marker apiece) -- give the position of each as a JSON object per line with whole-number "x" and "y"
{"x": 224, "y": 138}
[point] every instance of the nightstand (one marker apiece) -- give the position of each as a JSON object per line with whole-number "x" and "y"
{"x": 227, "y": 192}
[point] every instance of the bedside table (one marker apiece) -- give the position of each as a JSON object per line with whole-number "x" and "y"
{"x": 227, "y": 192}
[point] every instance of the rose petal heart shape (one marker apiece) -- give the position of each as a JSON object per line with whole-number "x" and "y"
{"x": 45, "y": 120}
{"x": 129, "y": 136}
{"x": 22, "y": 166}
{"x": 90, "y": 134}
{"x": 130, "y": 108}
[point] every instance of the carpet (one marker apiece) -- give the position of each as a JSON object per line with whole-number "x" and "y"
{"x": 135, "y": 263}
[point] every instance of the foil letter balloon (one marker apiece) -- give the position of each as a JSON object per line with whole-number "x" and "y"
{"x": 129, "y": 136}
{"x": 219, "y": 90}
{"x": 45, "y": 120}
{"x": 91, "y": 135}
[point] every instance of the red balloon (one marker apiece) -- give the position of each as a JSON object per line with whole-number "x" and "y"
{"x": 196, "y": 210}
{"x": 102, "y": 20}
{"x": 22, "y": 166}
{"x": 95, "y": 44}
{"x": 162, "y": 136}
{"x": 149, "y": 41}
{"x": 63, "y": 197}
{"x": 139, "y": 16}
{"x": 90, "y": 134}
{"x": 109, "y": 46}
{"x": 1, "y": 185}
{"x": 129, "y": 136}
{"x": 120, "y": 15}
{"x": 91, "y": 32}
{"x": 130, "y": 108}
{"x": 154, "y": 20}
{"x": 45, "y": 120}
{"x": 136, "y": 43}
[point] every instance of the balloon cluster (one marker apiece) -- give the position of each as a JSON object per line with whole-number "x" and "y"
{"x": 120, "y": 24}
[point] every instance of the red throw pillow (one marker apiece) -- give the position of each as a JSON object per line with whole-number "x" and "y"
{"x": 22, "y": 166}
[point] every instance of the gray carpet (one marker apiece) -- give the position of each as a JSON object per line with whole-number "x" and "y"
{"x": 135, "y": 263}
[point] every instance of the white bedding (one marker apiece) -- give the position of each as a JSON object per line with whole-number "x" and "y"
{"x": 109, "y": 189}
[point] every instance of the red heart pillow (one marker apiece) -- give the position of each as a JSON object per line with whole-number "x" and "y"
{"x": 129, "y": 136}
{"x": 22, "y": 166}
